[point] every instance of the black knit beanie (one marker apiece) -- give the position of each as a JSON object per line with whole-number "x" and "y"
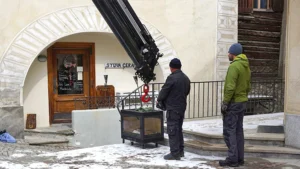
{"x": 175, "y": 63}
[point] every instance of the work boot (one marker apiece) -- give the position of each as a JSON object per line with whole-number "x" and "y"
{"x": 171, "y": 157}
{"x": 241, "y": 162}
{"x": 181, "y": 153}
{"x": 224, "y": 163}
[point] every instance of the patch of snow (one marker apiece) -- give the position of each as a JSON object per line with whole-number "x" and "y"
{"x": 77, "y": 143}
{"x": 259, "y": 96}
{"x": 190, "y": 160}
{"x": 24, "y": 151}
{"x": 166, "y": 136}
{"x": 18, "y": 155}
{"x": 111, "y": 156}
{"x": 38, "y": 165}
{"x": 8, "y": 165}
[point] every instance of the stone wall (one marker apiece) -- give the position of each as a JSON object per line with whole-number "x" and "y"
{"x": 12, "y": 120}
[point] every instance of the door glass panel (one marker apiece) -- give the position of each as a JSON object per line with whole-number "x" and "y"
{"x": 70, "y": 73}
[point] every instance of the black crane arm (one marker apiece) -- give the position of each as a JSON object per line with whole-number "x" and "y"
{"x": 132, "y": 34}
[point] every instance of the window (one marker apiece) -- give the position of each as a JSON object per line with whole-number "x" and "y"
{"x": 262, "y": 5}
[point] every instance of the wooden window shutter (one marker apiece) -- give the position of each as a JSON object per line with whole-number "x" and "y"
{"x": 245, "y": 6}
{"x": 277, "y": 5}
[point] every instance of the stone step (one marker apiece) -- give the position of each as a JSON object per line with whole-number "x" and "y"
{"x": 250, "y": 139}
{"x": 211, "y": 149}
{"x": 40, "y": 140}
{"x": 57, "y": 130}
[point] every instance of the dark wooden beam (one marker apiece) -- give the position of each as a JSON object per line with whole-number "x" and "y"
{"x": 259, "y": 38}
{"x": 253, "y": 20}
{"x": 259, "y": 33}
{"x": 260, "y": 49}
{"x": 264, "y": 75}
{"x": 264, "y": 62}
{"x": 258, "y": 43}
{"x": 263, "y": 69}
{"x": 262, "y": 55}
{"x": 259, "y": 27}
{"x": 267, "y": 15}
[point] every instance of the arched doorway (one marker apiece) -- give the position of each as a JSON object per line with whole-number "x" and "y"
{"x": 46, "y": 30}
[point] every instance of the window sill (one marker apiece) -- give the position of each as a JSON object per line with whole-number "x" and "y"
{"x": 263, "y": 10}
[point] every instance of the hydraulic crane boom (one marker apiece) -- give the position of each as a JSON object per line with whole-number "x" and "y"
{"x": 133, "y": 36}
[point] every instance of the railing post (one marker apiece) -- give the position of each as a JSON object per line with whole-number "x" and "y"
{"x": 194, "y": 93}
{"x": 153, "y": 97}
{"x": 274, "y": 95}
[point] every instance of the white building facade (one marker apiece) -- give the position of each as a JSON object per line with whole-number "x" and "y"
{"x": 199, "y": 33}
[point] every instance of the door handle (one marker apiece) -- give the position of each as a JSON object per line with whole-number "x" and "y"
{"x": 54, "y": 85}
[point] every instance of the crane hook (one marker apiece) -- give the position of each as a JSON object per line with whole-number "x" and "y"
{"x": 145, "y": 97}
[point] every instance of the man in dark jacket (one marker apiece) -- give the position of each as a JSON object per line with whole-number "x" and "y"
{"x": 236, "y": 89}
{"x": 173, "y": 96}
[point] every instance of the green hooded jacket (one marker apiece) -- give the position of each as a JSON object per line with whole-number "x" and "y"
{"x": 237, "y": 82}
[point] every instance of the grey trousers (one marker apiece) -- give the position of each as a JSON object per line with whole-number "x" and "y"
{"x": 233, "y": 131}
{"x": 174, "y": 129}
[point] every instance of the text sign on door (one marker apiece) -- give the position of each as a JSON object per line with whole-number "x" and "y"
{"x": 118, "y": 65}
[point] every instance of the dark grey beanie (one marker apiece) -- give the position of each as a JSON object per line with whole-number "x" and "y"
{"x": 236, "y": 49}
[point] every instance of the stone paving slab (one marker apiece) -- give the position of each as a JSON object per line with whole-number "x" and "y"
{"x": 23, "y": 145}
{"x": 63, "y": 130}
{"x": 7, "y": 149}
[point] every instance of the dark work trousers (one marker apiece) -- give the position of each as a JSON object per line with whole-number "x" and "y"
{"x": 233, "y": 131}
{"x": 174, "y": 130}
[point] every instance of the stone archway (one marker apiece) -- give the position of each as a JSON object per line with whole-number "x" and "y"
{"x": 42, "y": 32}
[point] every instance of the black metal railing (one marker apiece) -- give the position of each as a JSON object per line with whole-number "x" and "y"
{"x": 83, "y": 103}
{"x": 133, "y": 99}
{"x": 266, "y": 96}
{"x": 204, "y": 100}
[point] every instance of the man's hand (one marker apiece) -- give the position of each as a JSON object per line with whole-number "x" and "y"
{"x": 224, "y": 108}
{"x": 161, "y": 106}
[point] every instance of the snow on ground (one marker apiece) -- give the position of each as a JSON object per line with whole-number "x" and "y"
{"x": 166, "y": 136}
{"x": 109, "y": 156}
{"x": 215, "y": 126}
{"x": 18, "y": 155}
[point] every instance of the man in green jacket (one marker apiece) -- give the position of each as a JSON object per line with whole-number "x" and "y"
{"x": 236, "y": 89}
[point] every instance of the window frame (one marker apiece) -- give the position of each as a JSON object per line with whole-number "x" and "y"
{"x": 269, "y": 6}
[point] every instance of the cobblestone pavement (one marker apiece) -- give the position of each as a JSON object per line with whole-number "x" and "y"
{"x": 23, "y": 147}
{"x": 259, "y": 163}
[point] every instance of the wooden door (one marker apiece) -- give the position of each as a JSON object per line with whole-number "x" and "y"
{"x": 70, "y": 75}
